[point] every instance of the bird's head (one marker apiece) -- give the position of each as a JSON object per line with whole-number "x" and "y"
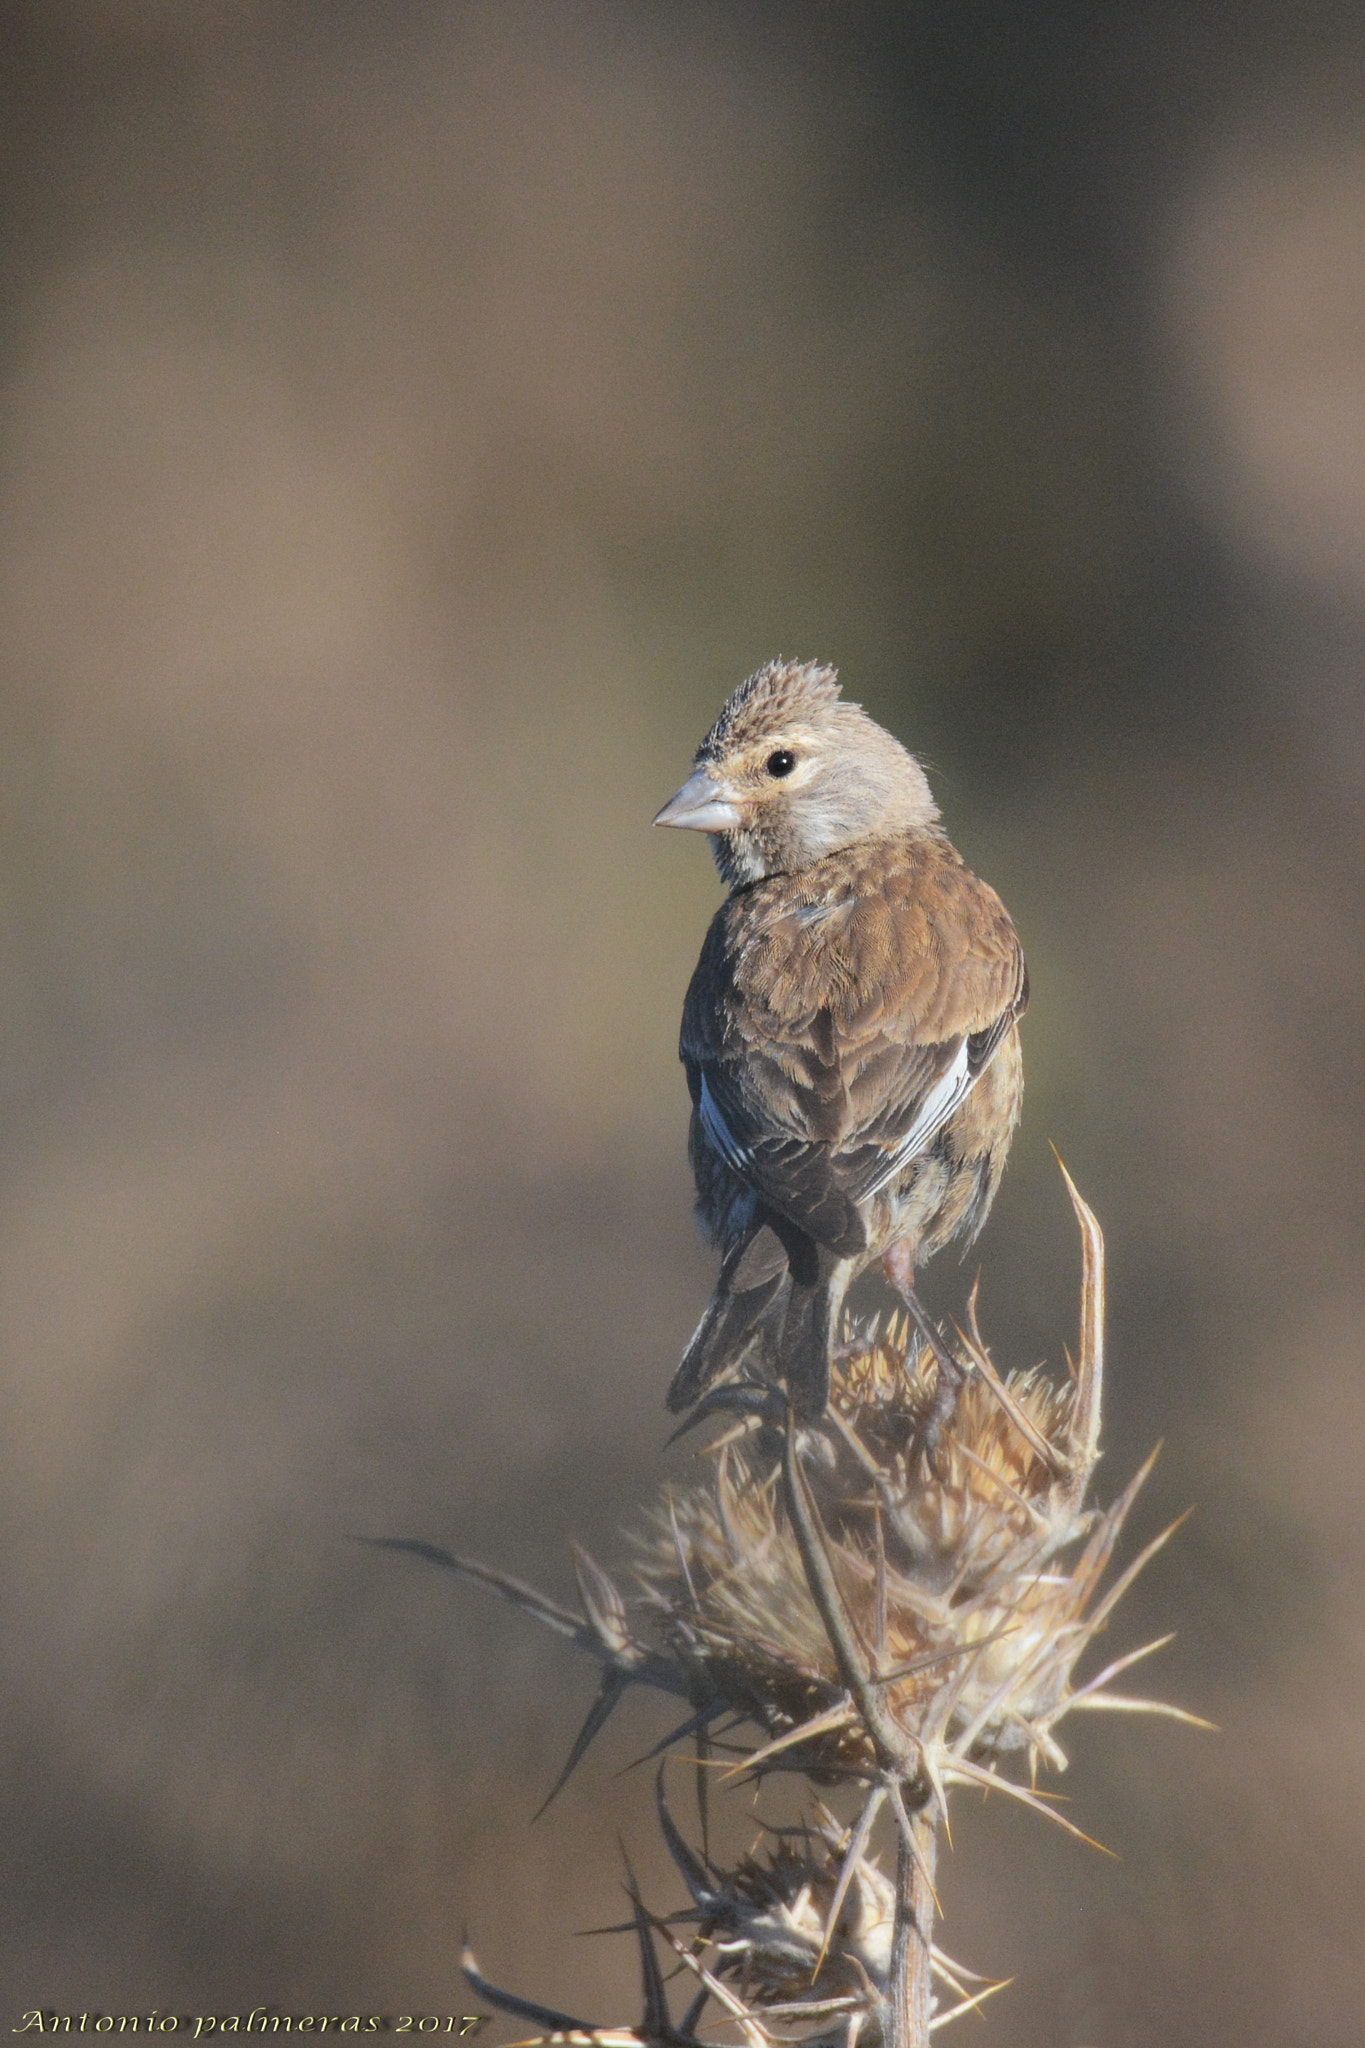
{"x": 789, "y": 773}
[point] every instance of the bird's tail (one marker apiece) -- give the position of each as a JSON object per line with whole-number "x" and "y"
{"x": 811, "y": 1327}
{"x": 777, "y": 1304}
{"x": 747, "y": 1309}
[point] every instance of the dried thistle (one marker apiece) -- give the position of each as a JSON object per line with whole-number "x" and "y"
{"x": 901, "y": 1628}
{"x": 803, "y": 1935}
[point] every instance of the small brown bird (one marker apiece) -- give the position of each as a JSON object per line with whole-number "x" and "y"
{"x": 850, "y": 1034}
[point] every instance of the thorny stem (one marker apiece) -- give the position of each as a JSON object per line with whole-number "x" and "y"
{"x": 895, "y": 1752}
{"x": 909, "y": 1993}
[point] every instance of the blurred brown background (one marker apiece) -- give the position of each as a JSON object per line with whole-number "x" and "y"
{"x": 414, "y": 419}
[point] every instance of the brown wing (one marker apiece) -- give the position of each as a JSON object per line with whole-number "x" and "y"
{"x": 837, "y": 1019}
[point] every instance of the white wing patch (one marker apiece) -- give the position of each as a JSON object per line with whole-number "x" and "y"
{"x": 938, "y": 1105}
{"x": 735, "y": 1156}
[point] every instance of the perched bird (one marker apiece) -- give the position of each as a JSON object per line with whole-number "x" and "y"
{"x": 850, "y": 1034}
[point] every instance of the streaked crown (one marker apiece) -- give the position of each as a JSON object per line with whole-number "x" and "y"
{"x": 775, "y": 698}
{"x": 789, "y": 772}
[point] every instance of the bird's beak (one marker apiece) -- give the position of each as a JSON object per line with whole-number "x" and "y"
{"x": 703, "y": 804}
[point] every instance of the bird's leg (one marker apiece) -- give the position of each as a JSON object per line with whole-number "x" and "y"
{"x": 899, "y": 1267}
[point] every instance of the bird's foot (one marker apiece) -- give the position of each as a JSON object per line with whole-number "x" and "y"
{"x": 948, "y": 1381}
{"x": 736, "y": 1397}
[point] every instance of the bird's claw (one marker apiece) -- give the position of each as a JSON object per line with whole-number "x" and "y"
{"x": 736, "y": 1397}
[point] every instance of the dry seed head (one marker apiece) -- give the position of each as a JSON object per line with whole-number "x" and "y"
{"x": 969, "y": 1586}
{"x": 802, "y": 1935}
{"x": 992, "y": 1488}
{"x": 949, "y": 1605}
{"x": 768, "y": 1918}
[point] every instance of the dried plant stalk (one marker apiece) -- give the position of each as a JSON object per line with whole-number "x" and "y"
{"x": 877, "y": 1624}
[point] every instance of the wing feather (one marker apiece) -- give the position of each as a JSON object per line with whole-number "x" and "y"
{"x": 826, "y": 1054}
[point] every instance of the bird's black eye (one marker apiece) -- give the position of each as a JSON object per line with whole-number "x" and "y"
{"x": 782, "y": 762}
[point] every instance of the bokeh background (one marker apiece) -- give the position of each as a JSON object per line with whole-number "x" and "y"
{"x": 414, "y": 419}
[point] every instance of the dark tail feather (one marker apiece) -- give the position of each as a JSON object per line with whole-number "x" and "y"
{"x": 810, "y": 1332}
{"x": 748, "y": 1305}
